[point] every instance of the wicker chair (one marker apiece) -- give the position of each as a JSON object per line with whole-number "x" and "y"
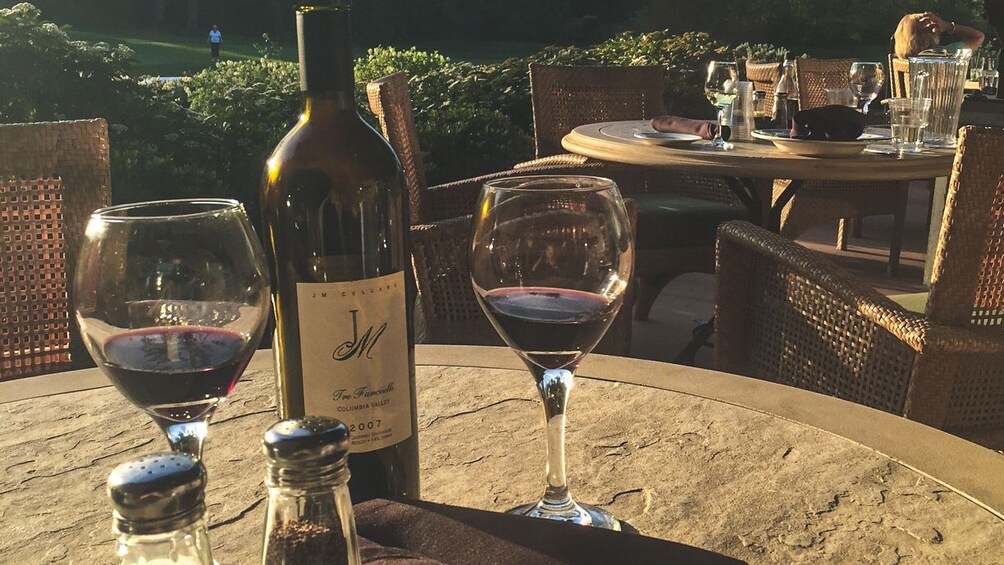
{"x": 899, "y": 73}
{"x": 678, "y": 212}
{"x": 75, "y": 154}
{"x": 449, "y": 308}
{"x": 440, "y": 217}
{"x": 786, "y": 315}
{"x": 390, "y": 101}
{"x": 818, "y": 202}
{"x": 764, "y": 77}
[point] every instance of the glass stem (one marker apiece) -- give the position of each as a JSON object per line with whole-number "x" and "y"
{"x": 721, "y": 124}
{"x": 554, "y": 385}
{"x": 186, "y": 437}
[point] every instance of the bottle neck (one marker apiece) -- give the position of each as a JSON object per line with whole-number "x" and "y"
{"x": 324, "y": 43}
{"x": 185, "y": 546}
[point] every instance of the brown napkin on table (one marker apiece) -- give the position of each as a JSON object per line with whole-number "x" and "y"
{"x": 829, "y": 123}
{"x": 676, "y": 124}
{"x": 464, "y": 536}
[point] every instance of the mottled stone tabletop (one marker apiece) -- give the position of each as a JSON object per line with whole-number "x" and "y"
{"x": 704, "y": 472}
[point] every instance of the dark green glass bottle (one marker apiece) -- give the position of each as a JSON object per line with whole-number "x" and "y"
{"x": 336, "y": 219}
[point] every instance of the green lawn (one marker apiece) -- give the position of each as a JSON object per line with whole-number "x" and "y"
{"x": 168, "y": 54}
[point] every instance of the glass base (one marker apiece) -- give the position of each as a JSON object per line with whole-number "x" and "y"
{"x": 575, "y": 513}
{"x": 721, "y": 145}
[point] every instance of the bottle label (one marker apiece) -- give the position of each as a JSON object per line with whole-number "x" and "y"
{"x": 354, "y": 351}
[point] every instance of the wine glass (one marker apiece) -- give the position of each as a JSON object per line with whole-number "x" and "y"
{"x": 172, "y": 299}
{"x": 721, "y": 88}
{"x": 551, "y": 258}
{"x": 866, "y": 82}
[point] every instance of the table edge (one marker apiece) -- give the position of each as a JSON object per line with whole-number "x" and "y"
{"x": 582, "y": 141}
{"x": 928, "y": 451}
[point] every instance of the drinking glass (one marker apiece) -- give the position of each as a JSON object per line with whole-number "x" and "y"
{"x": 841, "y": 97}
{"x": 551, "y": 258}
{"x": 721, "y": 88}
{"x": 908, "y": 117}
{"x": 172, "y": 299}
{"x": 866, "y": 82}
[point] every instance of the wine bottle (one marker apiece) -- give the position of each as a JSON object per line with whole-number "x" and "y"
{"x": 335, "y": 217}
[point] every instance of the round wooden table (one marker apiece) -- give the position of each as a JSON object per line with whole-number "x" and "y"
{"x": 750, "y": 469}
{"x": 752, "y": 166}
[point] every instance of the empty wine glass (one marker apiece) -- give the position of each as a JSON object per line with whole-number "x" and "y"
{"x": 866, "y": 82}
{"x": 172, "y": 299}
{"x": 721, "y": 88}
{"x": 551, "y": 258}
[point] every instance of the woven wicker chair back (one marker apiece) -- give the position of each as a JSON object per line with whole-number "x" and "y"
{"x": 816, "y": 75}
{"x": 899, "y": 74}
{"x": 34, "y": 307}
{"x": 75, "y": 152}
{"x": 764, "y": 77}
{"x": 566, "y": 97}
{"x": 967, "y": 287}
{"x": 390, "y": 101}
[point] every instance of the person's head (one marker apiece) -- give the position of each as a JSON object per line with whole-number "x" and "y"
{"x": 912, "y": 36}
{"x": 215, "y": 28}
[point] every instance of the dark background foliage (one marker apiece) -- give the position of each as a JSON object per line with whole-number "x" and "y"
{"x": 806, "y": 23}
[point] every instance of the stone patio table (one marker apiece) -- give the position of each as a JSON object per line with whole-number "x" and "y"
{"x": 751, "y": 168}
{"x": 749, "y": 469}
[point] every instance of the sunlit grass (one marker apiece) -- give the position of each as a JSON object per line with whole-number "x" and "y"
{"x": 169, "y": 54}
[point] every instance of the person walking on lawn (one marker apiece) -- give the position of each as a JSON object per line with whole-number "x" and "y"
{"x": 215, "y": 39}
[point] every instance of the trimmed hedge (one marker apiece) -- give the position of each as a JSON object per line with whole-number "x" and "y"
{"x": 210, "y": 134}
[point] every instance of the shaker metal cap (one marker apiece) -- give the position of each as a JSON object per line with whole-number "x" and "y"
{"x": 157, "y": 493}
{"x": 306, "y": 449}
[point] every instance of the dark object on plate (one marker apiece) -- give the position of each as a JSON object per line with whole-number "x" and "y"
{"x": 827, "y": 123}
{"x": 675, "y": 124}
{"x": 464, "y": 536}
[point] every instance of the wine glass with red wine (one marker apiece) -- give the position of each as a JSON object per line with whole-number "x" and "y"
{"x": 172, "y": 298}
{"x": 551, "y": 259}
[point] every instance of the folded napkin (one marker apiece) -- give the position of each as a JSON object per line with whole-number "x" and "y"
{"x": 676, "y": 124}
{"x": 463, "y": 536}
{"x": 830, "y": 123}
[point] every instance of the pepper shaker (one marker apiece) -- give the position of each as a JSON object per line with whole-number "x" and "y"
{"x": 160, "y": 511}
{"x": 309, "y": 519}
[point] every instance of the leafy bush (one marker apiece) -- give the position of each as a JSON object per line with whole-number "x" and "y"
{"x": 248, "y": 106}
{"x": 158, "y": 148}
{"x": 210, "y": 134}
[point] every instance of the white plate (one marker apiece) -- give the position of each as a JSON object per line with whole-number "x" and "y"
{"x": 816, "y": 148}
{"x": 666, "y": 138}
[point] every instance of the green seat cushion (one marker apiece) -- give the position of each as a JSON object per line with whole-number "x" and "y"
{"x": 672, "y": 221}
{"x": 916, "y": 302}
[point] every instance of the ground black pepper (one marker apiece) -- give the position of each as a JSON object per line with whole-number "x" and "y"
{"x": 305, "y": 543}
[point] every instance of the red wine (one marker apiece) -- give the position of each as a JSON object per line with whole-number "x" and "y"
{"x": 335, "y": 212}
{"x": 178, "y": 372}
{"x": 553, "y": 327}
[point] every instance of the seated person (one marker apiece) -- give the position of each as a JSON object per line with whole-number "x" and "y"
{"x": 921, "y": 32}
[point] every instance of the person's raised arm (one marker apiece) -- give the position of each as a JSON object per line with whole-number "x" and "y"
{"x": 971, "y": 37}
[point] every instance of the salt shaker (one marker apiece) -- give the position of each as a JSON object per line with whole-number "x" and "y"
{"x": 309, "y": 519}
{"x": 160, "y": 511}
{"x": 743, "y": 113}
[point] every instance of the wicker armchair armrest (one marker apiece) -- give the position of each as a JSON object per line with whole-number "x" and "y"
{"x": 563, "y": 160}
{"x": 912, "y": 328}
{"x": 458, "y": 198}
{"x": 751, "y": 244}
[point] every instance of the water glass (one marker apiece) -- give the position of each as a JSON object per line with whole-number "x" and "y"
{"x": 989, "y": 81}
{"x": 908, "y": 118}
{"x": 743, "y": 113}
